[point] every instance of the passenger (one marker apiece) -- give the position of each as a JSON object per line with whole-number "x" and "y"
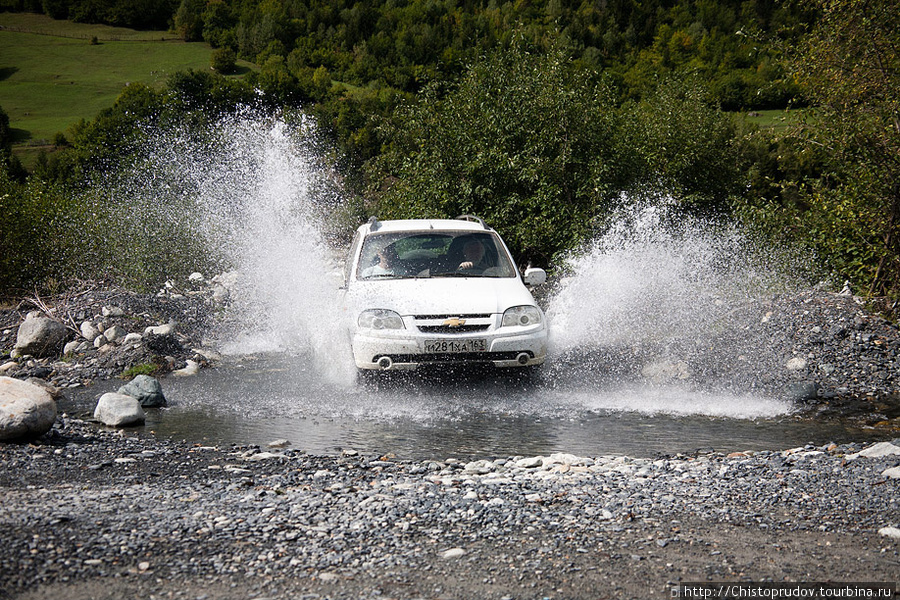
{"x": 386, "y": 265}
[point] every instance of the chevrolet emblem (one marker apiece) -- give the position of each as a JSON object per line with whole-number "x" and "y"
{"x": 454, "y": 322}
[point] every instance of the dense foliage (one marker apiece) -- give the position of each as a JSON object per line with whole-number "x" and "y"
{"x": 538, "y": 116}
{"x": 542, "y": 148}
{"x": 405, "y": 44}
{"x": 843, "y": 196}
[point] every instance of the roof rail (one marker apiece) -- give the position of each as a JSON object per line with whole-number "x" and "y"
{"x": 373, "y": 223}
{"x": 473, "y": 219}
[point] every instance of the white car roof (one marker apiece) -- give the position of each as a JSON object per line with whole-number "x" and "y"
{"x": 425, "y": 225}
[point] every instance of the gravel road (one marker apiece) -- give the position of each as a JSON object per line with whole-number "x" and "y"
{"x": 89, "y": 513}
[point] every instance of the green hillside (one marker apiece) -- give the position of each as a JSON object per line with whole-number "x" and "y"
{"x": 54, "y": 77}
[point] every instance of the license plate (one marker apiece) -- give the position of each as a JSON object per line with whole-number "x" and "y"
{"x": 454, "y": 346}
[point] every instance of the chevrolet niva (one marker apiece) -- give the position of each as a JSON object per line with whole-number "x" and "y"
{"x": 441, "y": 292}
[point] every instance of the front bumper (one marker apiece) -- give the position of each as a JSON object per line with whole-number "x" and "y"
{"x": 404, "y": 349}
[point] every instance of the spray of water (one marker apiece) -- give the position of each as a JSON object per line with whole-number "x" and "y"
{"x": 668, "y": 302}
{"x": 252, "y": 193}
{"x": 654, "y": 278}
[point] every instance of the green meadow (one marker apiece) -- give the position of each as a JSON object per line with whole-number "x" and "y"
{"x": 52, "y": 74}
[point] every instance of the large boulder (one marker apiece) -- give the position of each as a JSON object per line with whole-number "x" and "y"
{"x": 147, "y": 390}
{"x": 26, "y": 410}
{"x": 118, "y": 410}
{"x": 40, "y": 336}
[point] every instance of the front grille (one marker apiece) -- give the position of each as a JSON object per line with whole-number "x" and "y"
{"x": 453, "y": 324}
{"x": 452, "y": 330}
{"x": 443, "y": 317}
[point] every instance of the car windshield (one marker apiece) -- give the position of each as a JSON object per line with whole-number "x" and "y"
{"x": 394, "y": 255}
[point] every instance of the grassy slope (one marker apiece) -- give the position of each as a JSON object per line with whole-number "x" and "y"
{"x": 778, "y": 120}
{"x": 53, "y": 77}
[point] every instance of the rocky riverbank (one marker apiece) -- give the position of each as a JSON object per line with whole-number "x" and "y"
{"x": 105, "y": 332}
{"x": 97, "y": 514}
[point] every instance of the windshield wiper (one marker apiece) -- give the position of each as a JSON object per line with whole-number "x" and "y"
{"x": 457, "y": 274}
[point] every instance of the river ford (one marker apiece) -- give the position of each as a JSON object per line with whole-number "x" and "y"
{"x": 90, "y": 513}
{"x": 94, "y": 513}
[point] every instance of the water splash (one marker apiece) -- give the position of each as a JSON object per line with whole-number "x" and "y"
{"x": 655, "y": 277}
{"x": 641, "y": 303}
{"x": 252, "y": 194}
{"x": 665, "y": 300}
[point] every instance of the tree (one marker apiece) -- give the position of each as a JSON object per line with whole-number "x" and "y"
{"x": 687, "y": 144}
{"x": 525, "y": 141}
{"x": 850, "y": 65}
{"x": 189, "y": 20}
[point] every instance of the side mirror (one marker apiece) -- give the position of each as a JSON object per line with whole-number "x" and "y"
{"x": 535, "y": 276}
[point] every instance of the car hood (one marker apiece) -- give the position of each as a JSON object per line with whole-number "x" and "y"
{"x": 440, "y": 295}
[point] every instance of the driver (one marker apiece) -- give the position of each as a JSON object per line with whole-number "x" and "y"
{"x": 473, "y": 254}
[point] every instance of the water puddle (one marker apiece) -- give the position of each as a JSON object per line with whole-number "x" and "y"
{"x": 263, "y": 398}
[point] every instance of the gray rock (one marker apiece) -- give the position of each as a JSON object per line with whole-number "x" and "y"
{"x": 40, "y": 336}
{"x": 802, "y": 391}
{"x": 112, "y": 311}
{"x": 453, "y": 553}
{"x": 118, "y": 410}
{"x": 892, "y": 473}
{"x": 878, "y": 450}
{"x": 26, "y": 410}
{"x": 167, "y": 329}
{"x": 531, "y": 462}
{"x": 798, "y": 363}
{"x": 88, "y": 331}
{"x": 114, "y": 333}
{"x": 192, "y": 368}
{"x": 147, "y": 390}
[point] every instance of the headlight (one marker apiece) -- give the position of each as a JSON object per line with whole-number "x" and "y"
{"x": 379, "y": 318}
{"x": 521, "y": 316}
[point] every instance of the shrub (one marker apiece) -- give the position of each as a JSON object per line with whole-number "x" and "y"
{"x": 223, "y": 60}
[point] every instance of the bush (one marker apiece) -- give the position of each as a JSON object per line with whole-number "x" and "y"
{"x": 223, "y": 61}
{"x": 42, "y": 234}
{"x": 527, "y": 142}
{"x": 543, "y": 150}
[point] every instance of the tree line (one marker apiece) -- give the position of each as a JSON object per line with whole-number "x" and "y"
{"x": 405, "y": 44}
{"x": 545, "y": 113}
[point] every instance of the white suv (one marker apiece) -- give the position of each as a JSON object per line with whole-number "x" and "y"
{"x": 440, "y": 292}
